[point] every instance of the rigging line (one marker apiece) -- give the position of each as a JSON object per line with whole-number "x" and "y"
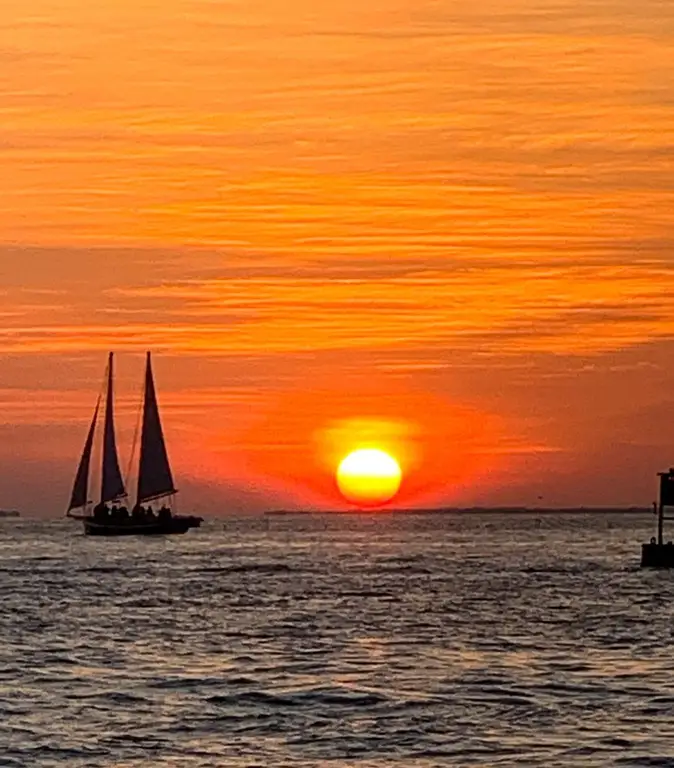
{"x": 104, "y": 383}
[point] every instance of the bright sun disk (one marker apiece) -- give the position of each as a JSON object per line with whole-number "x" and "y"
{"x": 369, "y": 477}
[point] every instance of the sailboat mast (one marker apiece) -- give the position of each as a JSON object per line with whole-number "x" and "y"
{"x": 154, "y": 472}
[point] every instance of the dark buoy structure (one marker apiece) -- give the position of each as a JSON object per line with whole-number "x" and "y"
{"x": 657, "y": 554}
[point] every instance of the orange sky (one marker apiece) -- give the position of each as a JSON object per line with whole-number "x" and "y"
{"x": 449, "y": 222}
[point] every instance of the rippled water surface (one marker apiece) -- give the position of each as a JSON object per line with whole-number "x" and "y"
{"x": 343, "y": 641}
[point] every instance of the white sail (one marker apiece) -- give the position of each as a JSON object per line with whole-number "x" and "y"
{"x": 154, "y": 475}
{"x": 78, "y": 497}
{"x": 112, "y": 485}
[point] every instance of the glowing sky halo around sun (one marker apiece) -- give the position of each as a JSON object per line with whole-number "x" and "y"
{"x": 369, "y": 477}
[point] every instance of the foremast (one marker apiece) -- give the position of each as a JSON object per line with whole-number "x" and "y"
{"x": 112, "y": 484}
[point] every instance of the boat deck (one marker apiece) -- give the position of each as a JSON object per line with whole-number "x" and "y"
{"x": 172, "y": 525}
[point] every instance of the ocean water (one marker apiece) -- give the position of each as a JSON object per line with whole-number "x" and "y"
{"x": 370, "y": 641}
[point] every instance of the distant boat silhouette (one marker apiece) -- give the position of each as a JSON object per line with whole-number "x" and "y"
{"x": 155, "y": 481}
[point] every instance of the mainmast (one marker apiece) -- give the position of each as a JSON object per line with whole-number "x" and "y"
{"x": 112, "y": 484}
{"x": 154, "y": 473}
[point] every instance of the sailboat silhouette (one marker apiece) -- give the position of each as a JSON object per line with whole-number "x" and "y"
{"x": 155, "y": 480}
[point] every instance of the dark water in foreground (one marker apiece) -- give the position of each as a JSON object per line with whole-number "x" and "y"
{"x": 343, "y": 641}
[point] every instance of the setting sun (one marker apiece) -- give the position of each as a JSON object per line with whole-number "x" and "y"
{"x": 369, "y": 477}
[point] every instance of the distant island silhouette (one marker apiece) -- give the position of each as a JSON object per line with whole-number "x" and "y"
{"x": 468, "y": 510}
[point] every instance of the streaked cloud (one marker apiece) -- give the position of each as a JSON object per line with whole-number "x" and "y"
{"x": 473, "y": 198}
{"x": 514, "y": 307}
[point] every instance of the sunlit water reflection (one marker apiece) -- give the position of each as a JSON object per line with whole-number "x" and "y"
{"x": 368, "y": 641}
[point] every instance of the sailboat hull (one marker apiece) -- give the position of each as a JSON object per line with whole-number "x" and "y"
{"x": 155, "y": 480}
{"x": 174, "y": 525}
